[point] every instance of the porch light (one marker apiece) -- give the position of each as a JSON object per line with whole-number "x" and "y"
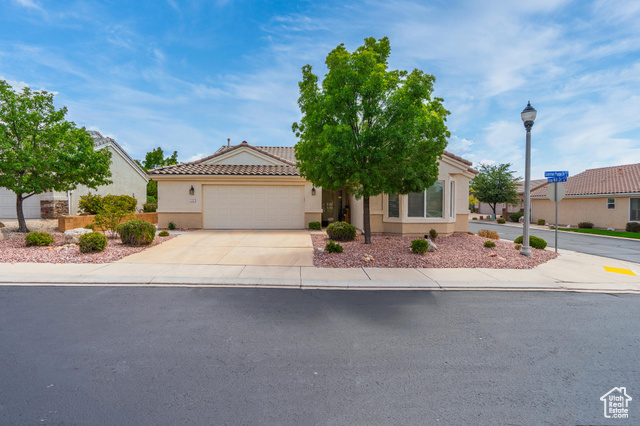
{"x": 313, "y": 190}
{"x": 191, "y": 190}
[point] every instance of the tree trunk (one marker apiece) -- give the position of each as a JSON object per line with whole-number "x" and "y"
{"x": 493, "y": 207}
{"x": 367, "y": 221}
{"x": 22, "y": 224}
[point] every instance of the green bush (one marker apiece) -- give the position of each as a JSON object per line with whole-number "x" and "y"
{"x": 534, "y": 242}
{"x": 515, "y": 217}
{"x": 90, "y": 226}
{"x": 315, "y": 225}
{"x": 474, "y": 218}
{"x": 164, "y": 234}
{"x": 502, "y": 221}
{"x": 489, "y": 244}
{"x": 341, "y": 231}
{"x": 633, "y": 227}
{"x": 419, "y": 246}
{"x": 151, "y": 200}
{"x": 93, "y": 241}
{"x": 149, "y": 207}
{"x": 433, "y": 234}
{"x": 90, "y": 203}
{"x": 38, "y": 239}
{"x": 123, "y": 202}
{"x": 136, "y": 232}
{"x": 171, "y": 226}
{"x": 542, "y": 222}
{"x": 585, "y": 225}
{"x": 333, "y": 247}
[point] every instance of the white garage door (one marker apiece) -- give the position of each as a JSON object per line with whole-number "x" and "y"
{"x": 30, "y": 206}
{"x": 253, "y": 207}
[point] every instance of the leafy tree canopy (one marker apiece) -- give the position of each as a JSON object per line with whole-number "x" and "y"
{"x": 156, "y": 158}
{"x": 40, "y": 151}
{"x": 369, "y": 129}
{"x": 495, "y": 184}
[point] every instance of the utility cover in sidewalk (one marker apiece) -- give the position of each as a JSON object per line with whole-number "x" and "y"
{"x": 619, "y": 270}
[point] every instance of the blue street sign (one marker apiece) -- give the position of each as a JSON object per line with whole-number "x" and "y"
{"x": 556, "y": 179}
{"x": 556, "y": 174}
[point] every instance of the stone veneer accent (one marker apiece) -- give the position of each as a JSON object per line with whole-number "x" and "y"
{"x": 52, "y": 209}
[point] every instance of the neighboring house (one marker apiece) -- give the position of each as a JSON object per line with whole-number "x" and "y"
{"x": 484, "y": 208}
{"x": 608, "y": 197}
{"x": 127, "y": 176}
{"x": 259, "y": 187}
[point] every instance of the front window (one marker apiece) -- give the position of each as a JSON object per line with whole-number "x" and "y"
{"x": 611, "y": 203}
{"x": 634, "y": 209}
{"x": 428, "y": 203}
{"x": 452, "y": 200}
{"x": 394, "y": 205}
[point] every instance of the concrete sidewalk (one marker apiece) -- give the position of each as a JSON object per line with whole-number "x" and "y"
{"x": 570, "y": 271}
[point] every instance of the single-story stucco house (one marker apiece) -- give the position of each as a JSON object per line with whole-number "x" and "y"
{"x": 608, "y": 197}
{"x": 259, "y": 187}
{"x": 127, "y": 176}
{"x": 484, "y": 208}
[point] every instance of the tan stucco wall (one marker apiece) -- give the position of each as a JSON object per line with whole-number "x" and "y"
{"x": 243, "y": 156}
{"x": 572, "y": 211}
{"x": 312, "y": 217}
{"x": 126, "y": 181}
{"x": 181, "y": 220}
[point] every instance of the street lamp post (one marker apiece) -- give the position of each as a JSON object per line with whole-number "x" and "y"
{"x": 528, "y": 116}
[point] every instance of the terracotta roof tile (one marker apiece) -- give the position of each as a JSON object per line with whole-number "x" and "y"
{"x": 223, "y": 169}
{"x": 606, "y": 180}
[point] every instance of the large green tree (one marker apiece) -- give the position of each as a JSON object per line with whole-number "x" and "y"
{"x": 152, "y": 160}
{"x": 368, "y": 129}
{"x": 495, "y": 184}
{"x": 40, "y": 151}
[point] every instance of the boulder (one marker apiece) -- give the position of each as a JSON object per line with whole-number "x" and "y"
{"x": 432, "y": 246}
{"x": 72, "y": 235}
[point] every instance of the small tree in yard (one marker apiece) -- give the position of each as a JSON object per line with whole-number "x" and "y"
{"x": 495, "y": 184}
{"x": 367, "y": 129}
{"x": 152, "y": 160}
{"x": 40, "y": 151}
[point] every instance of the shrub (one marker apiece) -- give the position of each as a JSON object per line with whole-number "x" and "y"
{"x": 109, "y": 218}
{"x": 136, "y": 232}
{"x": 38, "y": 239}
{"x": 534, "y": 242}
{"x": 315, "y": 225}
{"x": 489, "y": 244}
{"x": 341, "y": 231}
{"x": 633, "y": 227}
{"x": 123, "y": 202}
{"x": 151, "y": 199}
{"x": 502, "y": 221}
{"x": 90, "y": 203}
{"x": 488, "y": 234}
{"x": 171, "y": 226}
{"x": 474, "y": 218}
{"x": 419, "y": 246}
{"x": 93, "y": 241}
{"x": 542, "y": 222}
{"x": 515, "y": 217}
{"x": 433, "y": 234}
{"x": 90, "y": 226}
{"x": 585, "y": 225}
{"x": 333, "y": 247}
{"x": 518, "y": 247}
{"x": 164, "y": 233}
{"x": 149, "y": 207}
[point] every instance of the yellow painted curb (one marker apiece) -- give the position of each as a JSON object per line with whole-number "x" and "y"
{"x": 619, "y": 270}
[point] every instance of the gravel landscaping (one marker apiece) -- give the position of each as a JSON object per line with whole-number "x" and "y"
{"x": 455, "y": 251}
{"x": 13, "y": 249}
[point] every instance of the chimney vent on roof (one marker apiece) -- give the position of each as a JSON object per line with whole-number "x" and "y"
{"x": 228, "y": 141}
{"x": 619, "y": 171}
{"x": 244, "y": 143}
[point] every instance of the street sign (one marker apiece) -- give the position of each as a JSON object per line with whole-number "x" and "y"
{"x": 551, "y": 192}
{"x": 556, "y": 174}
{"x": 556, "y": 179}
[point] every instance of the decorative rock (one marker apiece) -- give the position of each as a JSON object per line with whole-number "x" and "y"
{"x": 432, "y": 246}
{"x": 368, "y": 258}
{"x": 72, "y": 235}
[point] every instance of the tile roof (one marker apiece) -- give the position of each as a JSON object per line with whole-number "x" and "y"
{"x": 286, "y": 154}
{"x": 534, "y": 184}
{"x": 606, "y": 180}
{"x": 99, "y": 141}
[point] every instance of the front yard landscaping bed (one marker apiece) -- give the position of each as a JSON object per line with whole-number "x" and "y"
{"x": 455, "y": 251}
{"x": 13, "y": 250}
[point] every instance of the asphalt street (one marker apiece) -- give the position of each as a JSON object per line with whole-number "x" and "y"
{"x": 153, "y": 356}
{"x": 616, "y": 248}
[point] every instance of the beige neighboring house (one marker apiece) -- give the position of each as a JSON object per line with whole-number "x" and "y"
{"x": 484, "y": 208}
{"x": 259, "y": 187}
{"x": 608, "y": 197}
{"x": 128, "y": 179}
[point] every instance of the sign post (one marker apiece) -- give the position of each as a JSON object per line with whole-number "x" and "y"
{"x": 557, "y": 194}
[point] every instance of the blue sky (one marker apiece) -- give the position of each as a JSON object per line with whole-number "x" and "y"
{"x": 187, "y": 75}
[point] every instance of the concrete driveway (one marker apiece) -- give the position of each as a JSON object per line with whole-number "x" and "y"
{"x": 237, "y": 247}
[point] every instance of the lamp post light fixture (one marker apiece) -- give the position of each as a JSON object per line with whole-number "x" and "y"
{"x": 528, "y": 116}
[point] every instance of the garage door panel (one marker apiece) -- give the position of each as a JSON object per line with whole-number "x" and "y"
{"x": 30, "y": 206}
{"x": 253, "y": 207}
